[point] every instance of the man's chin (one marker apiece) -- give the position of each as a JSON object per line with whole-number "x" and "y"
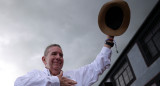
{"x": 57, "y": 68}
{"x": 55, "y": 71}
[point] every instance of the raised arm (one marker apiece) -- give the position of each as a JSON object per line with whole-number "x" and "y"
{"x": 89, "y": 74}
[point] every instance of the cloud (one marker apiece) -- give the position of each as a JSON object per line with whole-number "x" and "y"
{"x": 28, "y": 26}
{"x": 8, "y": 72}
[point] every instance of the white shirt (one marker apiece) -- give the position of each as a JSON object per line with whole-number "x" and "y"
{"x": 84, "y": 76}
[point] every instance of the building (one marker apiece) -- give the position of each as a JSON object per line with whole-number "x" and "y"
{"x": 139, "y": 63}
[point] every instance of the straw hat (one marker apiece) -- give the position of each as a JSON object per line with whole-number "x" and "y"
{"x": 114, "y": 17}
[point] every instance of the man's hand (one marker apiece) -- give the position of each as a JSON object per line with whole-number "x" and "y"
{"x": 110, "y": 37}
{"x": 65, "y": 81}
{"x": 111, "y": 40}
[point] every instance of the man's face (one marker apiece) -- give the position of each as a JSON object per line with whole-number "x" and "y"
{"x": 54, "y": 60}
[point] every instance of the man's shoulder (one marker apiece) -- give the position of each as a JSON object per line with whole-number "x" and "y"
{"x": 33, "y": 73}
{"x": 36, "y": 72}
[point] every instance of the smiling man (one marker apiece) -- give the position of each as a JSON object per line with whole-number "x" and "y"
{"x": 54, "y": 76}
{"x": 53, "y": 59}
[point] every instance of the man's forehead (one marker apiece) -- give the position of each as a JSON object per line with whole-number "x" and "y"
{"x": 55, "y": 49}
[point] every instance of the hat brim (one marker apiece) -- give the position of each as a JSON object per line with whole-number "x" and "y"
{"x": 126, "y": 18}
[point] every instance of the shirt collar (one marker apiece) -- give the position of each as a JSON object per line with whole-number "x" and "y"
{"x": 47, "y": 72}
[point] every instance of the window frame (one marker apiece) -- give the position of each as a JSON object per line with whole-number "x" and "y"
{"x": 150, "y": 23}
{"x": 155, "y": 80}
{"x": 119, "y": 67}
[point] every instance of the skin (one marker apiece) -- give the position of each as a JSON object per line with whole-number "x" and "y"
{"x": 109, "y": 37}
{"x": 54, "y": 60}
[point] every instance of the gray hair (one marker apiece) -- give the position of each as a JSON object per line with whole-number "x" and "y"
{"x": 52, "y": 45}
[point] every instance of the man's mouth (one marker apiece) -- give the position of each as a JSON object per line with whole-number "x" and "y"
{"x": 57, "y": 63}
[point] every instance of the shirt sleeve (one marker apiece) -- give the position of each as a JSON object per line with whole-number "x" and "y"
{"x": 37, "y": 78}
{"x": 89, "y": 74}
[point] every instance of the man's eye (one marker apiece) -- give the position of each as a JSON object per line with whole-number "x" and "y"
{"x": 54, "y": 53}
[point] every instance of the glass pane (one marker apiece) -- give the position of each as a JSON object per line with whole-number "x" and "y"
{"x": 116, "y": 76}
{"x": 125, "y": 65}
{"x": 157, "y": 40}
{"x": 121, "y": 81}
{"x": 151, "y": 48}
{"x": 148, "y": 37}
{"x": 117, "y": 83}
{"x": 120, "y": 71}
{"x": 129, "y": 73}
{"x": 126, "y": 78}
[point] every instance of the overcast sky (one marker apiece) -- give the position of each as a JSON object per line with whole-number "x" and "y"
{"x": 28, "y": 26}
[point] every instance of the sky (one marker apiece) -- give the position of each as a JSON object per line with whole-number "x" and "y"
{"x": 28, "y": 26}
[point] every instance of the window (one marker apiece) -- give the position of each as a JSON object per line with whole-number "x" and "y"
{"x": 124, "y": 76}
{"x": 149, "y": 42}
{"x": 155, "y": 81}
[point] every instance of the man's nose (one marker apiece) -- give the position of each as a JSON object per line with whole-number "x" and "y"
{"x": 58, "y": 56}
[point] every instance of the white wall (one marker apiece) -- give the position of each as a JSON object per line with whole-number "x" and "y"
{"x": 143, "y": 73}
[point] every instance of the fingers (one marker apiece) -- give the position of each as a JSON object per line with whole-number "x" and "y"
{"x": 64, "y": 81}
{"x": 61, "y": 74}
{"x": 67, "y": 82}
{"x": 72, "y": 82}
{"x": 110, "y": 37}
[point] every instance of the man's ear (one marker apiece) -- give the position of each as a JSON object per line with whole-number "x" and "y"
{"x": 44, "y": 60}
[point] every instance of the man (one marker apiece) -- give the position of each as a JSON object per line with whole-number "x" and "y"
{"x": 54, "y": 76}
